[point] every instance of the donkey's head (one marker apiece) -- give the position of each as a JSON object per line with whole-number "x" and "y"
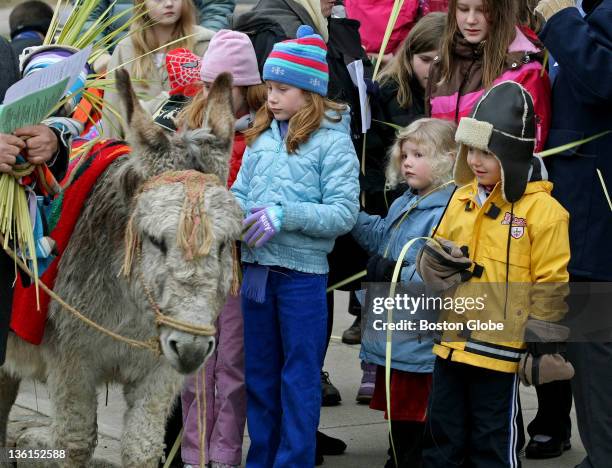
{"x": 180, "y": 239}
{"x": 180, "y": 250}
{"x": 206, "y": 149}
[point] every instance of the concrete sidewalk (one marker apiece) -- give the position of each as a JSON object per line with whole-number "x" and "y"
{"x": 364, "y": 430}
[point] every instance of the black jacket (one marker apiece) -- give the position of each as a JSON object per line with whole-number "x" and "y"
{"x": 386, "y": 108}
{"x": 269, "y": 22}
{"x": 581, "y": 107}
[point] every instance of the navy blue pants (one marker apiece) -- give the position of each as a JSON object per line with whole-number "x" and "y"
{"x": 284, "y": 346}
{"x": 473, "y": 418}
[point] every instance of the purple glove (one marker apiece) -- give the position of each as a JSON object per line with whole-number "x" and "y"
{"x": 263, "y": 224}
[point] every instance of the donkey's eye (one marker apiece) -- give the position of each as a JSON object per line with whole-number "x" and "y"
{"x": 160, "y": 244}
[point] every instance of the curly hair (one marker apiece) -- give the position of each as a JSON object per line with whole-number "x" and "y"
{"x": 436, "y": 140}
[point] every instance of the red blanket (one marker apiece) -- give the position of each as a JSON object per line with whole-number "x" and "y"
{"x": 27, "y": 322}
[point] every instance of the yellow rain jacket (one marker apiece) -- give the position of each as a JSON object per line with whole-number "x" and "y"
{"x": 538, "y": 253}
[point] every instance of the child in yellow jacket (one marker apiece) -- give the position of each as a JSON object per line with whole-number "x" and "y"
{"x": 516, "y": 236}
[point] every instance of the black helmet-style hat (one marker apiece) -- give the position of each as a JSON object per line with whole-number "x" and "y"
{"x": 502, "y": 123}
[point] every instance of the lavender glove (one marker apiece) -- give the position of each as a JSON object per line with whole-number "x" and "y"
{"x": 263, "y": 224}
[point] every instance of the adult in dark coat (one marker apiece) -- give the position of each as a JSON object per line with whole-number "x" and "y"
{"x": 582, "y": 107}
{"x": 42, "y": 145}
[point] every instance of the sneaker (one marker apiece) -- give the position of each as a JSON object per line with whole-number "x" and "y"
{"x": 352, "y": 335}
{"x": 368, "y": 379}
{"x": 330, "y": 396}
{"x": 541, "y": 447}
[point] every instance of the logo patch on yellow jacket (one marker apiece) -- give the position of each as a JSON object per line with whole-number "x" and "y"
{"x": 518, "y": 225}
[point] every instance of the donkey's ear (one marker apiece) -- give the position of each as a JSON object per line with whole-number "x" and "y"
{"x": 143, "y": 133}
{"x": 219, "y": 115}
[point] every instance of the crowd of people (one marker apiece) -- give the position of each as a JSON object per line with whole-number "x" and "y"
{"x": 469, "y": 92}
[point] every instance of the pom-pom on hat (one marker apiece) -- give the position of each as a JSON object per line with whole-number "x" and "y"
{"x": 183, "y": 71}
{"x": 300, "y": 62}
{"x": 232, "y": 52}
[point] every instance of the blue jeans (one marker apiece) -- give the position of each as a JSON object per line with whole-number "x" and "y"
{"x": 284, "y": 344}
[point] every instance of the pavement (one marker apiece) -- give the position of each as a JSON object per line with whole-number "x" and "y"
{"x": 364, "y": 430}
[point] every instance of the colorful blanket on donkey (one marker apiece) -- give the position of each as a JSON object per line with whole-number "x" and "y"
{"x": 27, "y": 322}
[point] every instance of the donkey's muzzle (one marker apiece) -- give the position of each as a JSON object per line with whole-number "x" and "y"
{"x": 185, "y": 352}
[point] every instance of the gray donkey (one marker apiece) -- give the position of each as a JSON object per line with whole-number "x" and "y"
{"x": 74, "y": 359}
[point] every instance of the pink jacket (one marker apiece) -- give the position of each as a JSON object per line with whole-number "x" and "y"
{"x": 456, "y": 98}
{"x": 374, "y": 16}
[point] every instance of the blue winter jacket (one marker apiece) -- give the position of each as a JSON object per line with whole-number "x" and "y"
{"x": 410, "y": 351}
{"x": 317, "y": 188}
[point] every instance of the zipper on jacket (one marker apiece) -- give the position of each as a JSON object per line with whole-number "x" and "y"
{"x": 461, "y": 86}
{"x": 464, "y": 82}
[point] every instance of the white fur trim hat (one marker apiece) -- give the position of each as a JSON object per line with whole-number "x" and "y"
{"x": 503, "y": 123}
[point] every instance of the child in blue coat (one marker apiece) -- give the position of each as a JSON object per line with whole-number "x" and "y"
{"x": 298, "y": 185}
{"x": 422, "y": 157}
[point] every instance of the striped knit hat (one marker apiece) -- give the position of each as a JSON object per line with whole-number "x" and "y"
{"x": 37, "y": 58}
{"x": 300, "y": 62}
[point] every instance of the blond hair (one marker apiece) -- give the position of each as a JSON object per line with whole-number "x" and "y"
{"x": 144, "y": 39}
{"x": 502, "y": 16}
{"x": 436, "y": 139}
{"x": 303, "y": 124}
{"x": 424, "y": 37}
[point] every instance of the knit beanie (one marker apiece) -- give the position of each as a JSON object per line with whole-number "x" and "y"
{"x": 231, "y": 51}
{"x": 300, "y": 62}
{"x": 183, "y": 71}
{"x": 503, "y": 123}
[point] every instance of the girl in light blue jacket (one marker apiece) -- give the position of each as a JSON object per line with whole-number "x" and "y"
{"x": 422, "y": 157}
{"x": 298, "y": 186}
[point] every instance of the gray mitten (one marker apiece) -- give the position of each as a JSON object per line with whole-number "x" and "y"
{"x": 442, "y": 265}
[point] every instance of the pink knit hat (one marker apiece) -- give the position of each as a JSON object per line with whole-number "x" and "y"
{"x": 231, "y": 51}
